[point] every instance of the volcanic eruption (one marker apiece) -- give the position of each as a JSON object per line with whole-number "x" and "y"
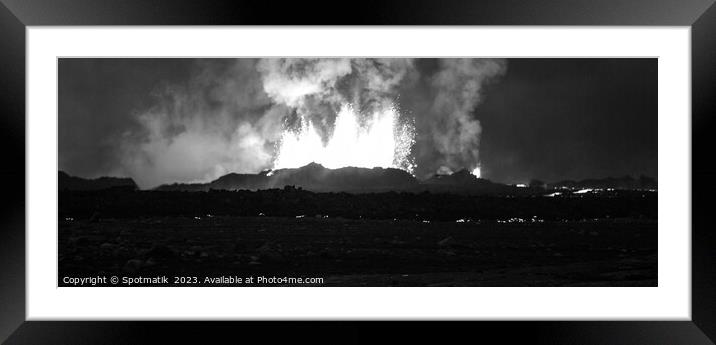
{"x": 250, "y": 115}
{"x": 383, "y": 141}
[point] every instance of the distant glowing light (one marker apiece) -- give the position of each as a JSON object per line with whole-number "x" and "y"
{"x": 583, "y": 191}
{"x": 521, "y": 185}
{"x": 383, "y": 141}
{"x": 476, "y": 172}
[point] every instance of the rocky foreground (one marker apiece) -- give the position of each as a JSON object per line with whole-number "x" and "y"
{"x": 359, "y": 252}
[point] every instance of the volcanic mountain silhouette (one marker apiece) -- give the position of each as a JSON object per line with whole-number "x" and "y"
{"x": 461, "y": 182}
{"x": 67, "y": 182}
{"x": 313, "y": 177}
{"x": 317, "y": 178}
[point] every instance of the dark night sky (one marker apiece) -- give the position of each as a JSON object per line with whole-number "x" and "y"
{"x": 550, "y": 119}
{"x": 556, "y": 119}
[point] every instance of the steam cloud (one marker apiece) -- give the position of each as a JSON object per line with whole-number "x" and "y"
{"x": 229, "y": 116}
{"x": 220, "y": 121}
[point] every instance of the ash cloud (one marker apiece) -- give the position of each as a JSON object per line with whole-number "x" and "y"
{"x": 228, "y": 115}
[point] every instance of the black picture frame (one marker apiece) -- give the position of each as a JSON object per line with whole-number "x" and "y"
{"x": 15, "y": 15}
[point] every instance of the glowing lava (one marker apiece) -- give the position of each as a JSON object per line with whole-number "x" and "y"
{"x": 476, "y": 172}
{"x": 383, "y": 141}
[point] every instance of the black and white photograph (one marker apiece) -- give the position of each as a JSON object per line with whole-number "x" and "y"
{"x": 183, "y": 171}
{"x": 357, "y": 171}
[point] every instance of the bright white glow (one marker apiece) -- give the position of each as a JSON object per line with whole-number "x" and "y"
{"x": 476, "y": 172}
{"x": 583, "y": 191}
{"x": 381, "y": 142}
{"x": 521, "y": 185}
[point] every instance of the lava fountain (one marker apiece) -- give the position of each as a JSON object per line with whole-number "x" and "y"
{"x": 382, "y": 141}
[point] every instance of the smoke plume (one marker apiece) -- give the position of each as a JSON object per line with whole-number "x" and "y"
{"x": 457, "y": 89}
{"x": 316, "y": 88}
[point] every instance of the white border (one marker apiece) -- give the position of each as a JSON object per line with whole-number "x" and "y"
{"x": 669, "y": 301}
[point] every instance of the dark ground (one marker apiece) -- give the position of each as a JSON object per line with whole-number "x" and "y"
{"x": 366, "y": 252}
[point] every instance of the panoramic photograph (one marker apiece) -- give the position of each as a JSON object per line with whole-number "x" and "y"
{"x": 357, "y": 171}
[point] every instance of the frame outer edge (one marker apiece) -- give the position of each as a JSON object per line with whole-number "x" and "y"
{"x": 703, "y": 105}
{"x": 12, "y": 171}
{"x": 370, "y": 12}
{"x": 12, "y": 127}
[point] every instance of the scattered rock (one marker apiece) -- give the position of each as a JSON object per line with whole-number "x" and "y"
{"x": 240, "y": 245}
{"x": 327, "y": 254}
{"x": 133, "y": 265}
{"x": 150, "y": 262}
{"x": 160, "y": 251}
{"x": 265, "y": 246}
{"x": 121, "y": 251}
{"x": 94, "y": 218}
{"x": 80, "y": 241}
{"x": 446, "y": 242}
{"x": 272, "y": 256}
{"x": 446, "y": 252}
